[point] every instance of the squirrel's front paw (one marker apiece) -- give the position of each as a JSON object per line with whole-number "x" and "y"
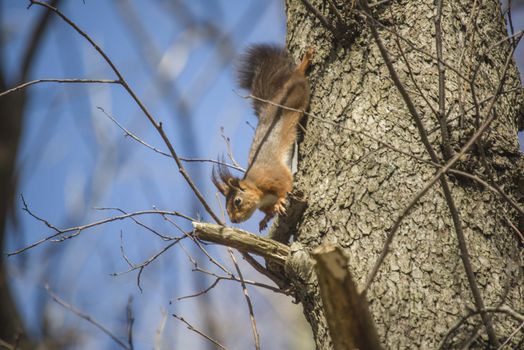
{"x": 279, "y": 207}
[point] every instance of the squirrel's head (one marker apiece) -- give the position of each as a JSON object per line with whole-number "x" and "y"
{"x": 242, "y": 198}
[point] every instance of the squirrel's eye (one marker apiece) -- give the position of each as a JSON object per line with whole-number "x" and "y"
{"x": 237, "y": 201}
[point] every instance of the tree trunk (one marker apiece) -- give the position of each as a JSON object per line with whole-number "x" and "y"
{"x": 356, "y": 187}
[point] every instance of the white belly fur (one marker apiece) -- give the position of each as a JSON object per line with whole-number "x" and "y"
{"x": 268, "y": 200}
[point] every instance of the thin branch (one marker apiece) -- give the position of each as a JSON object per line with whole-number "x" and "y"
{"x": 76, "y": 230}
{"x": 398, "y": 84}
{"x": 515, "y": 229}
{"x": 139, "y": 223}
{"x": 202, "y": 292}
{"x": 87, "y": 318}
{"x": 263, "y": 271}
{"x": 510, "y": 22}
{"x": 323, "y": 20}
{"x": 412, "y": 77}
{"x": 248, "y": 300}
{"x": 368, "y": 16}
{"x": 446, "y": 146}
{"x": 502, "y": 310}
{"x": 227, "y": 141}
{"x": 228, "y": 278}
{"x": 191, "y": 328}
{"x": 64, "y": 81}
{"x": 153, "y": 148}
{"x": 511, "y": 336}
{"x": 146, "y": 262}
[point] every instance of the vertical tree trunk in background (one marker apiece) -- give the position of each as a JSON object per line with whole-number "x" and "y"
{"x": 356, "y": 188}
{"x": 12, "y": 106}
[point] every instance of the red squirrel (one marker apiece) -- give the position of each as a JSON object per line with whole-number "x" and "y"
{"x": 270, "y": 74}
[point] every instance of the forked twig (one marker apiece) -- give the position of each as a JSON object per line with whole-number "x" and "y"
{"x": 86, "y": 317}
{"x": 197, "y": 331}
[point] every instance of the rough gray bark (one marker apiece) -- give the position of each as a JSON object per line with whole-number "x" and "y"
{"x": 356, "y": 188}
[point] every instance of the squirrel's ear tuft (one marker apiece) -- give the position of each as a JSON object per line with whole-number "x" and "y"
{"x": 233, "y": 182}
{"x": 221, "y": 185}
{"x": 223, "y": 180}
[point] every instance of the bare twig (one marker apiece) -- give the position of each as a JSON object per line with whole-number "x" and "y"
{"x": 323, "y": 20}
{"x": 146, "y": 262}
{"x": 515, "y": 229}
{"x": 511, "y": 336}
{"x": 412, "y": 77}
{"x": 227, "y": 141}
{"x": 502, "y": 310}
{"x": 76, "y": 230}
{"x": 510, "y": 22}
{"x": 248, "y": 300}
{"x": 87, "y": 318}
{"x": 446, "y": 147}
{"x": 191, "y": 328}
{"x": 139, "y": 223}
{"x": 228, "y": 278}
{"x": 202, "y": 292}
{"x": 153, "y": 148}
{"x": 62, "y": 81}
{"x": 369, "y": 17}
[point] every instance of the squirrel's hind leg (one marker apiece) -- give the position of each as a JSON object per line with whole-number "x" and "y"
{"x": 306, "y": 61}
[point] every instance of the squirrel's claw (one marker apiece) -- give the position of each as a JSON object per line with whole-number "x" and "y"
{"x": 279, "y": 207}
{"x": 263, "y": 223}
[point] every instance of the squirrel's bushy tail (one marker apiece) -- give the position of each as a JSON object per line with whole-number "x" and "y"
{"x": 263, "y": 69}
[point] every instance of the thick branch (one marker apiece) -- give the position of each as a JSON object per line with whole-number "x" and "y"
{"x": 243, "y": 241}
{"x": 347, "y": 312}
